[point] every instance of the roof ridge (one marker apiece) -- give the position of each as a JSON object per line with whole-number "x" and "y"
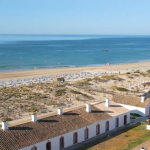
{"x": 28, "y": 119}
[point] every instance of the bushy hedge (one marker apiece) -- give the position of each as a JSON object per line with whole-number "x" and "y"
{"x": 122, "y": 89}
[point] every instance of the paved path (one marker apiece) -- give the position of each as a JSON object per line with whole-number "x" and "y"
{"x": 145, "y": 145}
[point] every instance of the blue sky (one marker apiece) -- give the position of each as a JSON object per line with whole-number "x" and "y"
{"x": 75, "y": 17}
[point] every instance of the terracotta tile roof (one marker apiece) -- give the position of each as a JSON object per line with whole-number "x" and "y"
{"x": 113, "y": 110}
{"x": 31, "y": 133}
{"x": 130, "y": 100}
{"x": 146, "y": 84}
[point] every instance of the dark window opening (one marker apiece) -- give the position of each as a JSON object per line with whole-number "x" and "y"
{"x": 75, "y": 138}
{"x": 61, "y": 142}
{"x": 86, "y": 134}
{"x": 48, "y": 146}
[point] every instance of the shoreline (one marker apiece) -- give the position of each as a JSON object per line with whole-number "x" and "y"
{"x": 143, "y": 66}
{"x": 73, "y": 66}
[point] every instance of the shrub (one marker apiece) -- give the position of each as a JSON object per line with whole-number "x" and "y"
{"x": 128, "y": 73}
{"x": 53, "y": 103}
{"x": 60, "y": 92}
{"x": 86, "y": 96}
{"x": 99, "y": 79}
{"x": 143, "y": 74}
{"x": 75, "y": 92}
{"x": 112, "y": 77}
{"x": 43, "y": 96}
{"x": 7, "y": 119}
{"x": 80, "y": 83}
{"x": 137, "y": 71}
{"x": 77, "y": 98}
{"x": 28, "y": 97}
{"x": 148, "y": 71}
{"x": 87, "y": 80}
{"x": 83, "y": 82}
{"x": 135, "y": 74}
{"x": 129, "y": 76}
{"x": 122, "y": 89}
{"x": 32, "y": 109}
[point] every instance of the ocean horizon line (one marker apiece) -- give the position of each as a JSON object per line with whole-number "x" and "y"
{"x": 75, "y": 34}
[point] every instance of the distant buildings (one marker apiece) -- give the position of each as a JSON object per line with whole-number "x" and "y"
{"x": 63, "y": 129}
{"x": 59, "y": 79}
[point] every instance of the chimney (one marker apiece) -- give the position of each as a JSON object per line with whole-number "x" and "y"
{"x": 143, "y": 148}
{"x": 34, "y": 118}
{"x": 60, "y": 111}
{"x": 142, "y": 99}
{"x": 88, "y": 108}
{"x": 107, "y": 104}
{"x": 5, "y": 125}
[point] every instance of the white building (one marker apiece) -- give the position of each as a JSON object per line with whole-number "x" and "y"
{"x": 138, "y": 105}
{"x": 59, "y": 131}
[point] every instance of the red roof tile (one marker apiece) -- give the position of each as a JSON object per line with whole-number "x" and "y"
{"x": 30, "y": 133}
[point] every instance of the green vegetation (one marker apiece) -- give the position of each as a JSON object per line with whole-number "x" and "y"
{"x": 75, "y": 92}
{"x": 98, "y": 79}
{"x": 135, "y": 74}
{"x": 6, "y": 119}
{"x": 135, "y": 115}
{"x": 119, "y": 88}
{"x": 107, "y": 78}
{"x": 32, "y": 109}
{"x": 83, "y": 82}
{"x": 130, "y": 76}
{"x": 139, "y": 140}
{"x": 53, "y": 103}
{"x": 122, "y": 89}
{"x": 124, "y": 139}
{"x": 148, "y": 71}
{"x": 60, "y": 92}
{"x": 137, "y": 71}
{"x": 112, "y": 77}
{"x": 143, "y": 74}
{"x": 128, "y": 73}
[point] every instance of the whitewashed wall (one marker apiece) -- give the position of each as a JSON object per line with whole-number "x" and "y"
{"x": 134, "y": 109}
{"x": 147, "y": 109}
{"x": 68, "y": 137}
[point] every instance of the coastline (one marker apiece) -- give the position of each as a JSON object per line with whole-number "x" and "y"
{"x": 5, "y": 76}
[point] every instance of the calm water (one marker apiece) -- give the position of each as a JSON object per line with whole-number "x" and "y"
{"x": 24, "y": 52}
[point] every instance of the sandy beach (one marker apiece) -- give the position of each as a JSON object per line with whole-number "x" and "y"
{"x": 142, "y": 66}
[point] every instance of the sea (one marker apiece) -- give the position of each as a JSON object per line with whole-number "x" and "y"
{"x": 31, "y": 52}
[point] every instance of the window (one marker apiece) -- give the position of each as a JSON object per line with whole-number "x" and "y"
{"x": 117, "y": 122}
{"x": 107, "y": 125}
{"x": 34, "y": 148}
{"x": 75, "y": 138}
{"x": 97, "y": 129}
{"x": 125, "y": 119}
{"x": 48, "y": 146}
{"x": 86, "y": 133}
{"x": 61, "y": 142}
